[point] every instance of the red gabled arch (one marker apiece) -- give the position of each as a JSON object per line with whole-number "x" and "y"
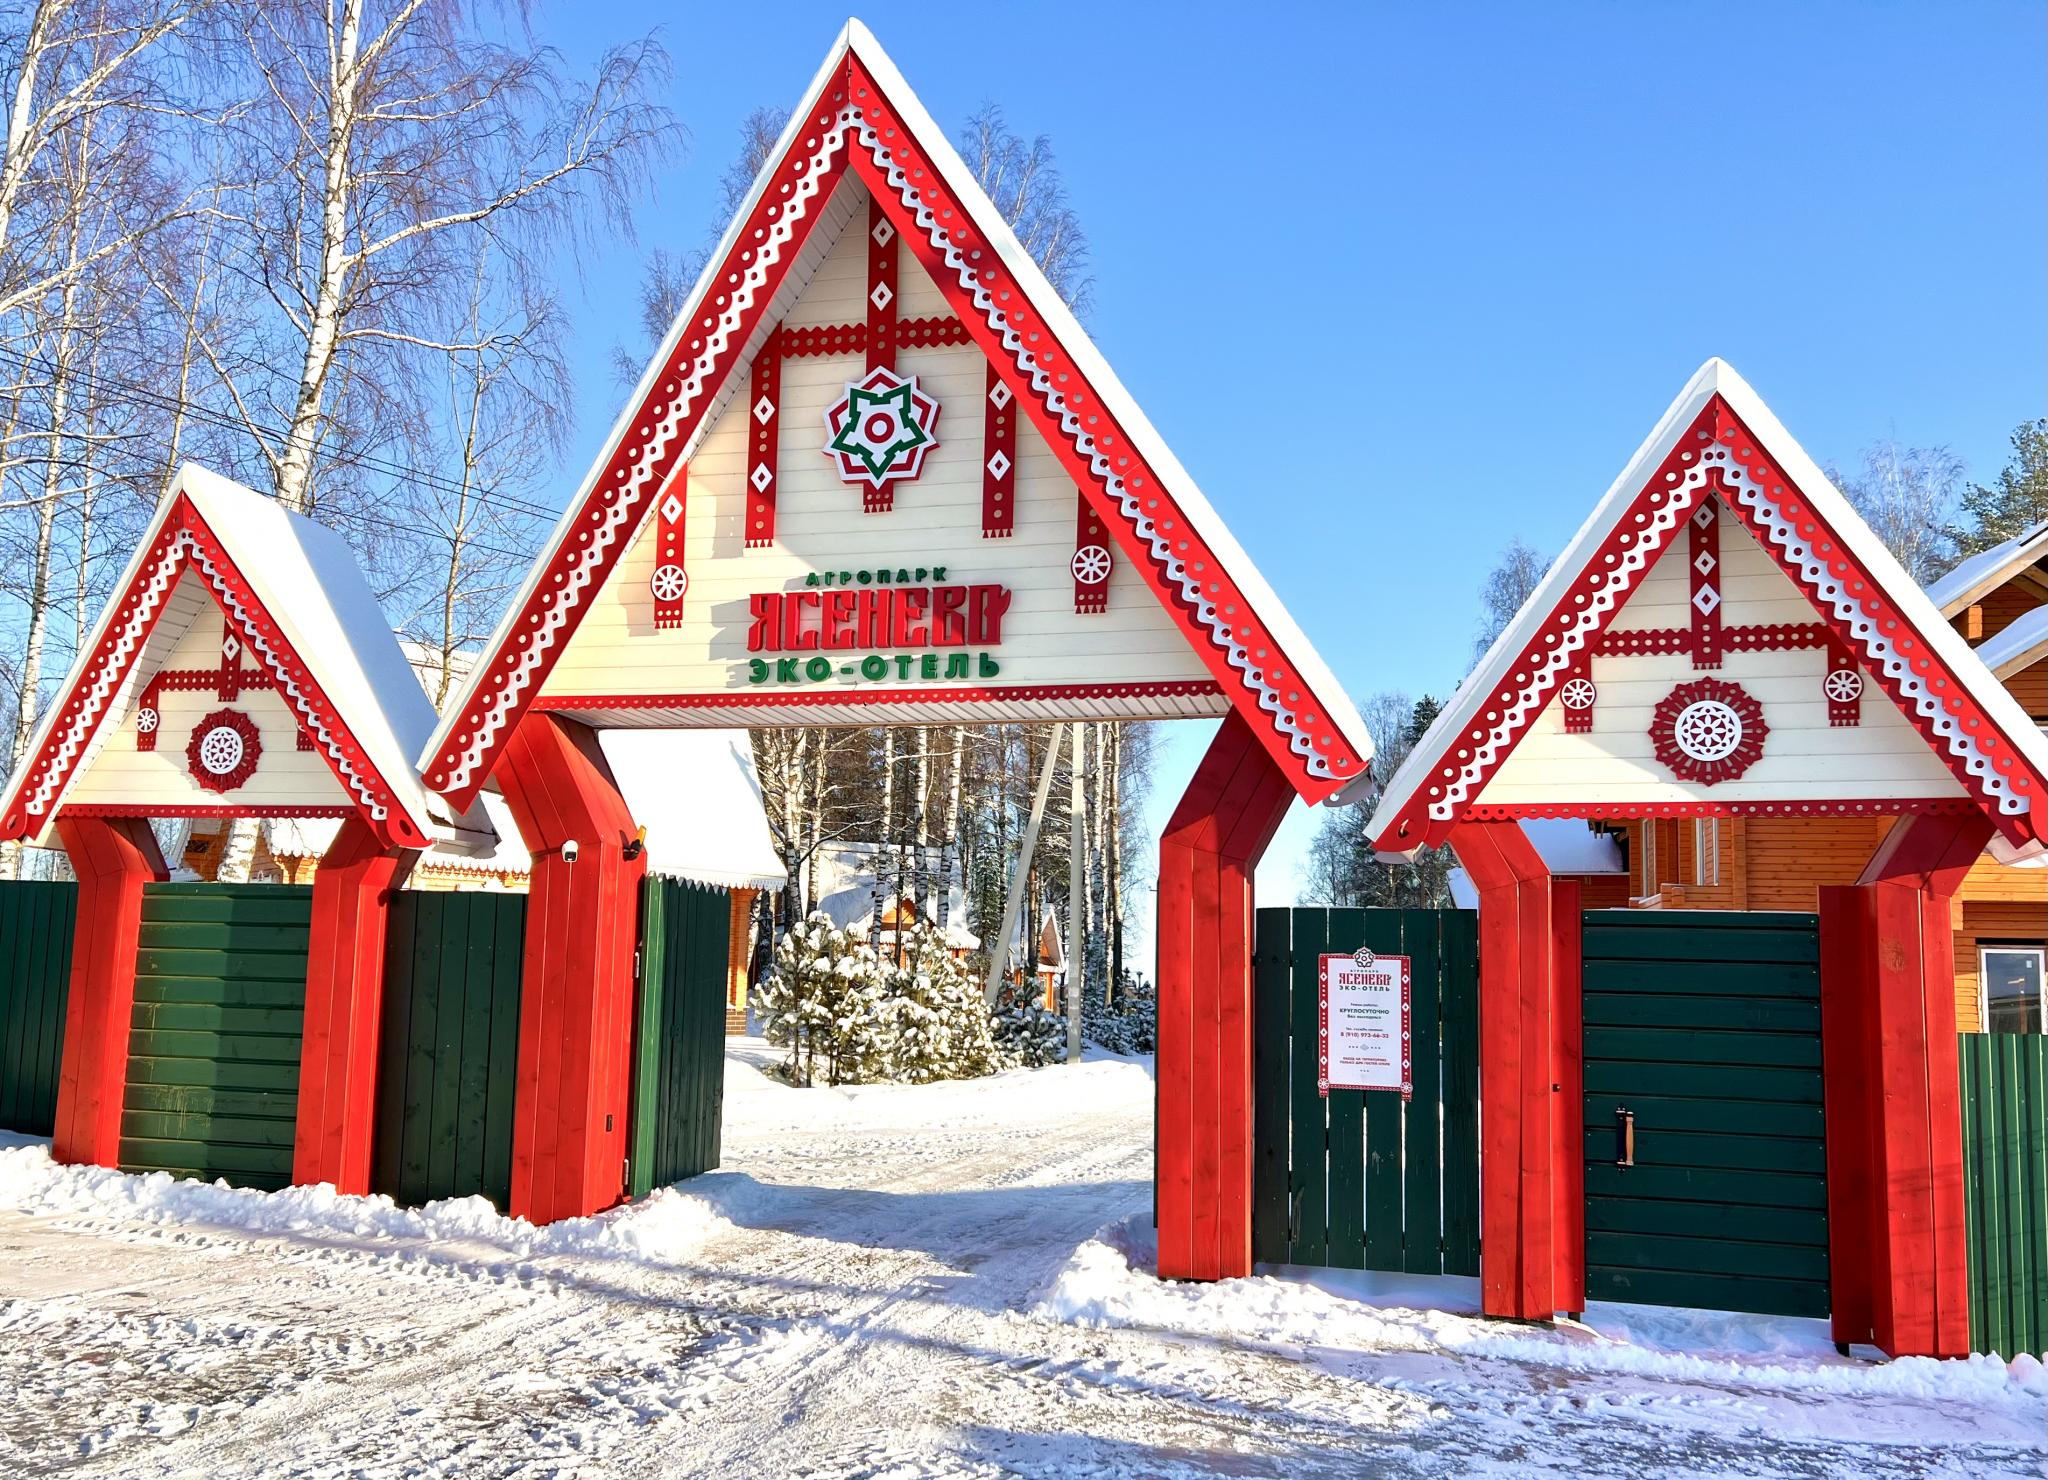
{"x": 859, "y": 116}
{"x": 183, "y": 541}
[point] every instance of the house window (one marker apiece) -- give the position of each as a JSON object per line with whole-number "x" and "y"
{"x": 1706, "y": 851}
{"x": 2011, "y": 979}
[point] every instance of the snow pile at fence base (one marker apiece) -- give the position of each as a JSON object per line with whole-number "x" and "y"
{"x": 1109, "y": 1283}
{"x": 666, "y": 1227}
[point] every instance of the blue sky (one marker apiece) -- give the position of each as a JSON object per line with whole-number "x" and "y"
{"x": 1401, "y": 283}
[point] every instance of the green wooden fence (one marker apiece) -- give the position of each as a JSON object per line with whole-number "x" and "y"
{"x": 679, "y": 1040}
{"x": 1365, "y": 1180}
{"x": 2005, "y": 1181}
{"x": 213, "y": 1066}
{"x": 36, "y": 919}
{"x": 448, "y": 1046}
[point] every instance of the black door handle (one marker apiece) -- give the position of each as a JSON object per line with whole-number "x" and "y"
{"x": 1624, "y": 1136}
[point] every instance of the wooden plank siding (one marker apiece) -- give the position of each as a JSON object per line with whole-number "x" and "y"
{"x": 448, "y": 1046}
{"x": 1357, "y": 1180}
{"x": 214, "y": 1043}
{"x": 37, "y": 919}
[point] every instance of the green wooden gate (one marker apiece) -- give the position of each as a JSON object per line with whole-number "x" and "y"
{"x": 1364, "y": 1180}
{"x": 448, "y": 1046}
{"x": 679, "y": 1033}
{"x": 2005, "y": 1186}
{"x": 36, "y": 920}
{"x": 213, "y": 1067}
{"x": 1702, "y": 1033}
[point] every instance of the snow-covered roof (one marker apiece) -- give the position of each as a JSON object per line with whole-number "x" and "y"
{"x": 1566, "y": 846}
{"x": 2020, "y": 644}
{"x": 337, "y": 662}
{"x": 853, "y": 908}
{"x": 1987, "y": 570}
{"x": 1522, "y": 670}
{"x": 1262, "y": 659}
{"x": 697, "y": 794}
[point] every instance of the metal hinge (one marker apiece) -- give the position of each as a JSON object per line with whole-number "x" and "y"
{"x": 636, "y": 963}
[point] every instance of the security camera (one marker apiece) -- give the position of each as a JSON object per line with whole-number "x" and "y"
{"x": 569, "y": 851}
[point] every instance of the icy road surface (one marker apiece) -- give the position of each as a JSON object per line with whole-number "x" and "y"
{"x": 884, "y": 1282}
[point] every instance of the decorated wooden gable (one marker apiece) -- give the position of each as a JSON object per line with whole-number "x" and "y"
{"x": 878, "y": 474}
{"x": 1724, "y": 638}
{"x": 242, "y": 668}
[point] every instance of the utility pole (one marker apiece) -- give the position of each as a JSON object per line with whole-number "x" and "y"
{"x": 999, "y": 956}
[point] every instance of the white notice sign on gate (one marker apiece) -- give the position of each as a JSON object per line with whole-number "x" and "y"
{"x": 1363, "y": 1035}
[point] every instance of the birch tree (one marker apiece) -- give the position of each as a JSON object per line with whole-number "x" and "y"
{"x": 384, "y": 141}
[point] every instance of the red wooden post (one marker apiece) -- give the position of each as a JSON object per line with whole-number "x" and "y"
{"x": 1848, "y": 1043}
{"x": 1207, "y": 856}
{"x": 576, "y": 989}
{"x": 344, "y": 1009}
{"x": 1888, "y": 979}
{"x": 1531, "y": 1166}
{"x": 113, "y": 858}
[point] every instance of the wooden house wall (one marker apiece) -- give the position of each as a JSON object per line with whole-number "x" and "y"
{"x": 1804, "y": 758}
{"x": 285, "y": 776}
{"x": 820, "y": 526}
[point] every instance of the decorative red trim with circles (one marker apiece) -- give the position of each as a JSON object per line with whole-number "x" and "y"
{"x": 1630, "y": 811}
{"x": 247, "y": 757}
{"x": 185, "y": 542}
{"x": 195, "y": 809}
{"x": 670, "y": 580}
{"x": 1597, "y": 593}
{"x": 755, "y": 698}
{"x": 1050, "y": 386}
{"x": 1092, "y": 562}
{"x": 1704, "y": 552}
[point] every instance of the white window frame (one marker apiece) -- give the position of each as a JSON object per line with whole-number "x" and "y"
{"x": 2017, "y": 948}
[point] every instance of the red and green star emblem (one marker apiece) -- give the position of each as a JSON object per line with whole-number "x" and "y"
{"x": 881, "y": 429}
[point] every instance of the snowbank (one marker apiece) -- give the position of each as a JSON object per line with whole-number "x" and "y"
{"x": 663, "y": 1228}
{"x": 1109, "y": 1283}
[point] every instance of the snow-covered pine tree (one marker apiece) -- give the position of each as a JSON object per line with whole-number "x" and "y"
{"x": 942, "y": 1027}
{"x": 823, "y": 1002}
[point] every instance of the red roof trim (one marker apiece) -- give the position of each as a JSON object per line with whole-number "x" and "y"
{"x": 185, "y": 541}
{"x": 837, "y": 698}
{"x": 196, "y": 809}
{"x": 1633, "y": 811}
{"x": 1718, "y": 454}
{"x": 853, "y": 111}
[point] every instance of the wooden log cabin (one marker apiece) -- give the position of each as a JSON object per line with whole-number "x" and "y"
{"x": 1997, "y": 601}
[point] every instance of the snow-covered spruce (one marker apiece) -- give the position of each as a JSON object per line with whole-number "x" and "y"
{"x": 1130, "y": 1024}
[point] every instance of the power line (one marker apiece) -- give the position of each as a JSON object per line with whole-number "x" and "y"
{"x": 196, "y": 411}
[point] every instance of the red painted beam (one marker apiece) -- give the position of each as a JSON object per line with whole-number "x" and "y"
{"x": 1888, "y": 980}
{"x": 344, "y": 1008}
{"x": 113, "y": 858}
{"x": 1207, "y": 857}
{"x": 1531, "y": 1166}
{"x": 576, "y": 989}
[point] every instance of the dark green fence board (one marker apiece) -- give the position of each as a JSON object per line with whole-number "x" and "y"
{"x": 1460, "y": 1060}
{"x": 2004, "y": 1081}
{"x": 679, "y": 1039}
{"x": 1270, "y": 1030}
{"x": 1366, "y": 1180}
{"x": 37, "y": 918}
{"x": 215, "y": 1032}
{"x": 448, "y": 1054}
{"x": 1706, "y": 1026}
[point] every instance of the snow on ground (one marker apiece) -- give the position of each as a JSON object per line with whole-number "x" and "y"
{"x": 884, "y": 1281}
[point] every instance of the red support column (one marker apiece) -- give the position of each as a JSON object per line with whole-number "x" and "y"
{"x": 1531, "y": 1165}
{"x": 344, "y": 1008}
{"x": 113, "y": 858}
{"x": 1207, "y": 856}
{"x": 1888, "y": 1010}
{"x": 576, "y": 993}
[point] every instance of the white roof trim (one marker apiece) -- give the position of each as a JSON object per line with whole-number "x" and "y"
{"x": 855, "y": 37}
{"x": 1981, "y": 574}
{"x": 2019, "y": 645}
{"x": 308, "y": 581}
{"x": 1716, "y": 377}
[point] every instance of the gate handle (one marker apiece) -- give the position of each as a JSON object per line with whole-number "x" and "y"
{"x": 1625, "y": 1136}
